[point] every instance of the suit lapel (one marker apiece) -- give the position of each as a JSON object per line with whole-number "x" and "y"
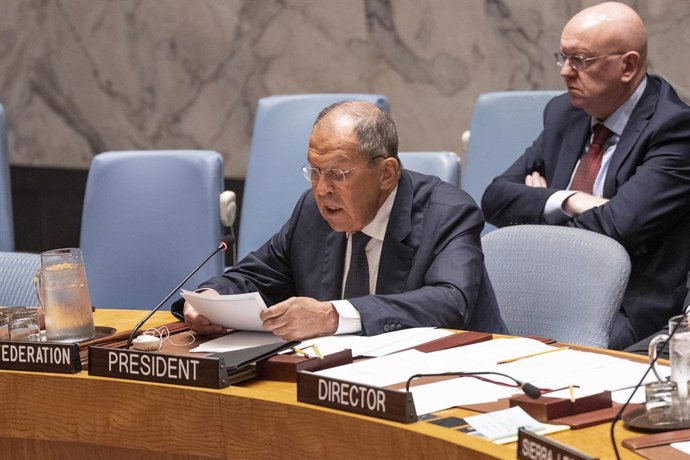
{"x": 396, "y": 256}
{"x": 333, "y": 264}
{"x": 573, "y": 145}
{"x": 636, "y": 124}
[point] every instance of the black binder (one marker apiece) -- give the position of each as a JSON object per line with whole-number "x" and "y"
{"x": 240, "y": 364}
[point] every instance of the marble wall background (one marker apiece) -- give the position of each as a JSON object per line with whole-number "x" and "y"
{"x": 78, "y": 77}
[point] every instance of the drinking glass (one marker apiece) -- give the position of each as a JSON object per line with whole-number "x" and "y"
{"x": 4, "y": 326}
{"x": 659, "y": 397}
{"x": 23, "y": 325}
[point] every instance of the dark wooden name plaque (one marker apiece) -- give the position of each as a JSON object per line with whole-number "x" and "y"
{"x": 39, "y": 356}
{"x": 201, "y": 371}
{"x": 531, "y": 446}
{"x": 547, "y": 408}
{"x": 378, "y": 402}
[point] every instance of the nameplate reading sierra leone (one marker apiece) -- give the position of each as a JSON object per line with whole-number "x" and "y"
{"x": 40, "y": 356}
{"x": 158, "y": 367}
{"x": 531, "y": 446}
{"x": 355, "y": 397}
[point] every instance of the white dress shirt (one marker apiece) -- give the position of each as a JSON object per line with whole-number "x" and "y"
{"x": 350, "y": 321}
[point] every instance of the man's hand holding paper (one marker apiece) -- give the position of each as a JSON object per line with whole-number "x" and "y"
{"x": 297, "y": 318}
{"x": 207, "y": 312}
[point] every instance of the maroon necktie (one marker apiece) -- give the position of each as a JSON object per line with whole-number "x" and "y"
{"x": 590, "y": 162}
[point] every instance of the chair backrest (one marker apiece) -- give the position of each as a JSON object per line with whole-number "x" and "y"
{"x": 17, "y": 271}
{"x": 444, "y": 165}
{"x": 6, "y": 223}
{"x": 558, "y": 282}
{"x": 503, "y": 125}
{"x": 149, "y": 218}
{"x": 279, "y": 148}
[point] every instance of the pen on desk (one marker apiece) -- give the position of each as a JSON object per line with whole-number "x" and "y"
{"x": 518, "y": 358}
{"x": 572, "y": 393}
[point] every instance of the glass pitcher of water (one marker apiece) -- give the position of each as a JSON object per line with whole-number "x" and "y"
{"x": 61, "y": 287}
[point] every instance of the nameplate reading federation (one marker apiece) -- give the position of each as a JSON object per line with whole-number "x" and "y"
{"x": 40, "y": 356}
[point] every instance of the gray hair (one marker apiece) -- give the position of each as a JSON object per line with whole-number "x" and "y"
{"x": 375, "y": 130}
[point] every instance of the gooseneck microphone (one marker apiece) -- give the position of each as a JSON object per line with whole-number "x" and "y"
{"x": 527, "y": 388}
{"x": 226, "y": 241}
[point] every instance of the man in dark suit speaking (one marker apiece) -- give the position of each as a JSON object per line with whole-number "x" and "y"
{"x": 371, "y": 248}
{"x": 613, "y": 158}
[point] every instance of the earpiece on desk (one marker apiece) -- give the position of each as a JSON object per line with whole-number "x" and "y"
{"x": 147, "y": 342}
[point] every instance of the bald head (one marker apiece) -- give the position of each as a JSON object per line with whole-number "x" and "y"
{"x": 607, "y": 45}
{"x": 612, "y": 27}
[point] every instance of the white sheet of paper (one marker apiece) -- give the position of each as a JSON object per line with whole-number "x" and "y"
{"x": 424, "y": 335}
{"x": 237, "y": 341}
{"x": 503, "y": 424}
{"x": 376, "y": 345}
{"x": 235, "y": 311}
{"x": 387, "y": 370}
{"x": 682, "y": 446}
{"x": 441, "y": 395}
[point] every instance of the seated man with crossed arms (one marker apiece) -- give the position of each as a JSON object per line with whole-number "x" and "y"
{"x": 371, "y": 248}
{"x": 613, "y": 158}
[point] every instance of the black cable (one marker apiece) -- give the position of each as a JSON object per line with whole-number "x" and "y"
{"x": 529, "y": 389}
{"x": 619, "y": 415}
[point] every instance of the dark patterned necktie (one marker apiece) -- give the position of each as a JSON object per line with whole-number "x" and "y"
{"x": 357, "y": 282}
{"x": 590, "y": 162}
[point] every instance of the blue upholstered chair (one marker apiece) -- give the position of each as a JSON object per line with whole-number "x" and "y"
{"x": 6, "y": 223}
{"x": 279, "y": 148}
{"x": 17, "y": 271}
{"x": 503, "y": 125}
{"x": 149, "y": 218}
{"x": 445, "y": 165}
{"x": 558, "y": 282}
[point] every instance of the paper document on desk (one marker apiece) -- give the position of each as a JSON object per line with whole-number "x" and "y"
{"x": 501, "y": 426}
{"x": 234, "y": 311}
{"x": 377, "y": 345}
{"x": 237, "y": 341}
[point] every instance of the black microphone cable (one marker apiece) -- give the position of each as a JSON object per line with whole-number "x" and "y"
{"x": 665, "y": 344}
{"x": 619, "y": 415}
{"x": 527, "y": 388}
{"x": 222, "y": 246}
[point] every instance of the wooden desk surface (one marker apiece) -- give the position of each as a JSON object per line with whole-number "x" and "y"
{"x": 79, "y": 416}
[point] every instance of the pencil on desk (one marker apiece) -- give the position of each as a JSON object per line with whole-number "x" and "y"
{"x": 517, "y": 358}
{"x": 299, "y": 351}
{"x": 316, "y": 350}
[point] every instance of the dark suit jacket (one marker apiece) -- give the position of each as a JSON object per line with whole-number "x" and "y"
{"x": 648, "y": 184}
{"x": 431, "y": 271}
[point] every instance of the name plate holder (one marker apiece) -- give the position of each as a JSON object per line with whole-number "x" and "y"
{"x": 547, "y": 408}
{"x": 378, "y": 402}
{"x": 532, "y": 446}
{"x": 147, "y": 366}
{"x": 63, "y": 358}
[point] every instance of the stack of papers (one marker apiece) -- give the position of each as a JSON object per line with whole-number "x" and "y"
{"x": 560, "y": 368}
{"x": 377, "y": 345}
{"x": 501, "y": 426}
